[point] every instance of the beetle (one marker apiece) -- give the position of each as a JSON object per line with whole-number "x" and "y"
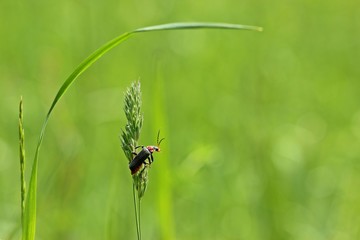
{"x": 145, "y": 154}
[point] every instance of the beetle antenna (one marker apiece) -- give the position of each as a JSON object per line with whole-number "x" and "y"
{"x": 157, "y": 140}
{"x": 160, "y": 141}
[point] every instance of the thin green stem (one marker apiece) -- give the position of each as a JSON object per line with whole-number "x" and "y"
{"x": 139, "y": 213}
{"x": 136, "y": 214}
{"x": 22, "y": 161}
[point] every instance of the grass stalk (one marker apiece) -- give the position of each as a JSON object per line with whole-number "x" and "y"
{"x": 137, "y": 213}
{"x": 129, "y": 138}
{"x": 139, "y": 217}
{"x": 22, "y": 161}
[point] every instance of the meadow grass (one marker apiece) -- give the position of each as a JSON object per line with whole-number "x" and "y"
{"x": 262, "y": 130}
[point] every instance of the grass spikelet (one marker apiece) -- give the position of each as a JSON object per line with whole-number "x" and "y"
{"x": 22, "y": 160}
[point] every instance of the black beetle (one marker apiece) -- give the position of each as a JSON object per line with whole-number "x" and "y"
{"x": 145, "y": 153}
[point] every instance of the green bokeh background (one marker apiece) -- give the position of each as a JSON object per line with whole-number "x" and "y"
{"x": 262, "y": 129}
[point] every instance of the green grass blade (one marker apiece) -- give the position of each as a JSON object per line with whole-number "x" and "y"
{"x": 86, "y": 64}
{"x": 22, "y": 161}
{"x": 197, "y": 25}
{"x": 30, "y": 207}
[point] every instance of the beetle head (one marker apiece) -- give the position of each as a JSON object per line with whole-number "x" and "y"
{"x": 153, "y": 149}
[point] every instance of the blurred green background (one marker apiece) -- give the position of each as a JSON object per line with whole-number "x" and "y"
{"x": 262, "y": 129}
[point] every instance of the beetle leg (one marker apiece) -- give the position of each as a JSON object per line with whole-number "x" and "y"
{"x": 134, "y": 153}
{"x": 147, "y": 161}
{"x": 151, "y": 158}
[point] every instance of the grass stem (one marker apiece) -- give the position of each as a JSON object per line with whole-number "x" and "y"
{"x": 22, "y": 161}
{"x": 137, "y": 213}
